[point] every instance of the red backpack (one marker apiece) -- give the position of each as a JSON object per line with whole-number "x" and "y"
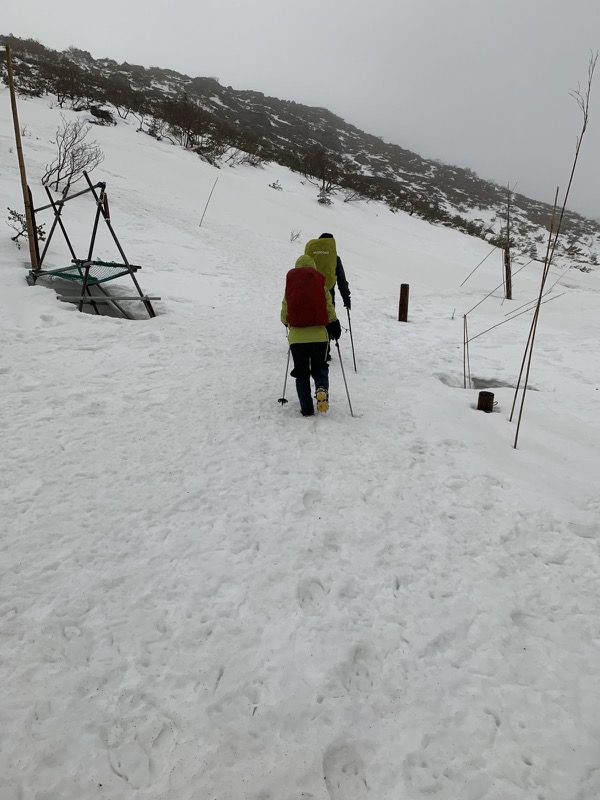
{"x": 305, "y": 296}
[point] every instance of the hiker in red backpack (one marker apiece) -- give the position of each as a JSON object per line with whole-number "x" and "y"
{"x": 309, "y": 313}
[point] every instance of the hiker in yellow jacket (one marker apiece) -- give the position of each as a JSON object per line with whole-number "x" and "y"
{"x": 308, "y": 312}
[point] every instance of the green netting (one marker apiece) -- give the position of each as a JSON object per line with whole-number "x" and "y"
{"x": 100, "y": 272}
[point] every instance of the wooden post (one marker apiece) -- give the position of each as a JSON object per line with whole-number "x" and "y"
{"x": 35, "y": 229}
{"x": 507, "y": 275}
{"x": 31, "y": 232}
{"x": 485, "y": 402}
{"x": 403, "y": 304}
{"x": 507, "y": 266}
{"x": 465, "y": 351}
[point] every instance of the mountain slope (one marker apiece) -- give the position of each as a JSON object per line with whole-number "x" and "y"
{"x": 286, "y": 132}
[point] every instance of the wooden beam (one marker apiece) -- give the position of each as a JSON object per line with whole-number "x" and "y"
{"x": 31, "y": 232}
{"x": 77, "y": 299}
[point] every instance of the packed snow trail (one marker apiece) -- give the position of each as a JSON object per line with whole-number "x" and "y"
{"x": 204, "y": 594}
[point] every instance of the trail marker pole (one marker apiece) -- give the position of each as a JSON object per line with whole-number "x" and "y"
{"x": 403, "y": 305}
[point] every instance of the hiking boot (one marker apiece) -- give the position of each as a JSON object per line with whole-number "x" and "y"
{"x": 322, "y": 400}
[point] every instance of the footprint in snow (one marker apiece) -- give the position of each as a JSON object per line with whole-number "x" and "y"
{"x": 50, "y": 320}
{"x": 344, "y": 773}
{"x": 452, "y": 759}
{"x": 311, "y": 595}
{"x": 140, "y": 742}
{"x": 358, "y": 674}
{"x": 311, "y": 498}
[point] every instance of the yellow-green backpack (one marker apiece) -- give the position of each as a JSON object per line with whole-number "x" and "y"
{"x": 324, "y": 254}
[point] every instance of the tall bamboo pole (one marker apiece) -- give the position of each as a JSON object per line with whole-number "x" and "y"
{"x": 583, "y": 101}
{"x": 547, "y": 261}
{"x": 466, "y": 358}
{"x": 31, "y": 232}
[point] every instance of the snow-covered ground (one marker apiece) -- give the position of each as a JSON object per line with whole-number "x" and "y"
{"x": 204, "y": 595}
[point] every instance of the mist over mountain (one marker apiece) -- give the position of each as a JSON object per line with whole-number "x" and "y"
{"x": 226, "y": 126}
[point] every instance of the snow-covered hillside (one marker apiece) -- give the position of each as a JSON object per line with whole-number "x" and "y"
{"x": 223, "y": 124}
{"x": 205, "y": 595}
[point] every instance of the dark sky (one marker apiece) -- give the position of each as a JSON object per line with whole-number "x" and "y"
{"x": 479, "y": 83}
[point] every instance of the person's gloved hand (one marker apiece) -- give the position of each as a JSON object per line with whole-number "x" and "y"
{"x": 348, "y": 304}
{"x": 334, "y": 329}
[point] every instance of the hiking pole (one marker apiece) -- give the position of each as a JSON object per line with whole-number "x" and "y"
{"x": 351, "y": 339}
{"x": 282, "y": 399}
{"x": 344, "y": 374}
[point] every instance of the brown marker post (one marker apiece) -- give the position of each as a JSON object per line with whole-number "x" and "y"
{"x": 403, "y": 305}
{"x": 485, "y": 402}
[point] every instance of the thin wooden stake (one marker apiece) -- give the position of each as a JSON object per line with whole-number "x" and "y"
{"x": 478, "y": 265}
{"x": 489, "y": 294}
{"x": 510, "y": 319}
{"x": 208, "y": 201}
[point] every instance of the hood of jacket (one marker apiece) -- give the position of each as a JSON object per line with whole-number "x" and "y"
{"x": 305, "y": 261}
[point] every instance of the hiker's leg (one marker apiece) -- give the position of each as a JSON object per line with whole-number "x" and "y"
{"x": 319, "y": 367}
{"x": 301, "y": 372}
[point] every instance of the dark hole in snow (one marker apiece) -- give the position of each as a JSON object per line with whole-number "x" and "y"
{"x": 122, "y": 309}
{"x": 456, "y": 381}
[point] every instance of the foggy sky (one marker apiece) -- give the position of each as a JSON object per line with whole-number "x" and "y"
{"x": 478, "y": 83}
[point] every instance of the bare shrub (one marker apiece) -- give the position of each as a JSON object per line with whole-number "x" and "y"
{"x": 352, "y": 195}
{"x": 74, "y": 154}
{"x": 156, "y": 128}
{"x": 16, "y": 221}
{"x": 235, "y": 157}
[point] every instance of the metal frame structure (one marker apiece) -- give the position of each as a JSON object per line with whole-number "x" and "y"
{"x": 82, "y": 271}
